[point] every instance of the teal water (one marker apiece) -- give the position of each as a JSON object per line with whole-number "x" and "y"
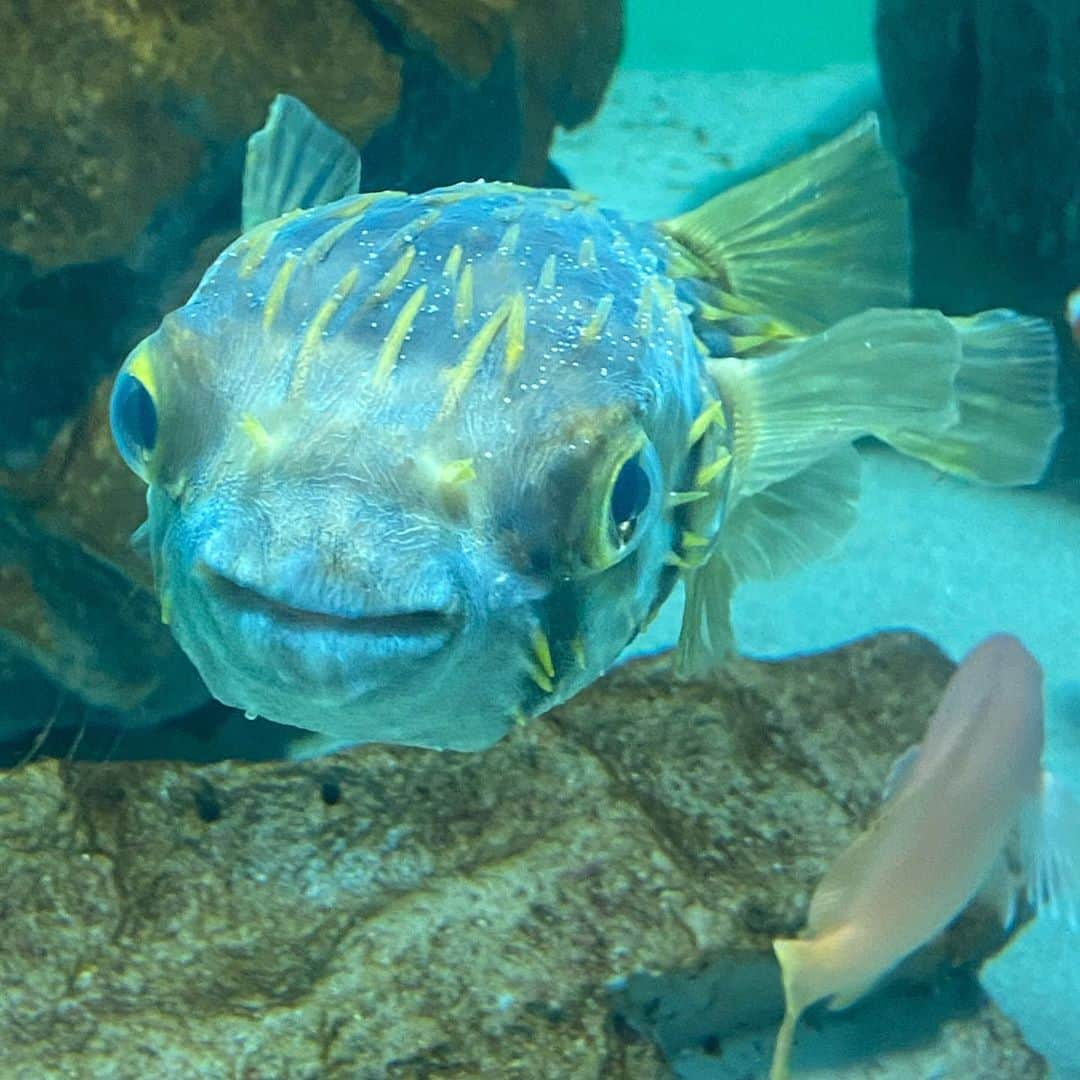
{"x": 775, "y": 35}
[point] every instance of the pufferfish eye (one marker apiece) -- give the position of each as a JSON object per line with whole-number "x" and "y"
{"x": 134, "y": 421}
{"x": 624, "y": 508}
{"x": 629, "y": 498}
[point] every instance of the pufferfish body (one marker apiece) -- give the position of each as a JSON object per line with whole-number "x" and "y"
{"x": 420, "y": 466}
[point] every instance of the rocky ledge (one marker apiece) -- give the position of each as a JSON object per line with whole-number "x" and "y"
{"x": 604, "y": 882}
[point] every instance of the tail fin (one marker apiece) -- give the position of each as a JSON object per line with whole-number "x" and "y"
{"x": 974, "y": 397}
{"x": 1009, "y": 416}
{"x": 811, "y": 242}
{"x": 295, "y": 161}
{"x": 792, "y": 954}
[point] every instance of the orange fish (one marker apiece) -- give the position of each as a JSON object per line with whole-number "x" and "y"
{"x": 973, "y": 789}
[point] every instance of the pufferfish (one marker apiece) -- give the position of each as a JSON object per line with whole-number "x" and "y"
{"x": 419, "y": 466}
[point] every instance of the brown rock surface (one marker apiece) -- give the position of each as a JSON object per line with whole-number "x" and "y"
{"x": 108, "y": 107}
{"x": 402, "y": 913}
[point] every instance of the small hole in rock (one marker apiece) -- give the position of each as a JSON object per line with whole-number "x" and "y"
{"x": 330, "y": 792}
{"x": 207, "y": 806}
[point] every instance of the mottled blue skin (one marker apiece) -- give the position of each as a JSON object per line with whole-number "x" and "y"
{"x": 328, "y": 575}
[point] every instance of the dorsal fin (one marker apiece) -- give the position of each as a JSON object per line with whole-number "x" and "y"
{"x": 295, "y": 161}
{"x": 817, "y": 239}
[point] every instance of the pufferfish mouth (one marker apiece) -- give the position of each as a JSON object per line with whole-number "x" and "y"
{"x": 429, "y": 625}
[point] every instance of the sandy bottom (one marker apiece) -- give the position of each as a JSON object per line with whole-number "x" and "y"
{"x": 951, "y": 561}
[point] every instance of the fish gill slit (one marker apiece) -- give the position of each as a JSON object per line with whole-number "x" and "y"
{"x": 314, "y": 333}
{"x": 461, "y": 374}
{"x": 390, "y": 351}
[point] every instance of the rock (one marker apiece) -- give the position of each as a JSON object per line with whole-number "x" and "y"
{"x": 123, "y": 127}
{"x": 983, "y": 103}
{"x": 389, "y": 912}
{"x": 78, "y": 601}
{"x": 984, "y": 97}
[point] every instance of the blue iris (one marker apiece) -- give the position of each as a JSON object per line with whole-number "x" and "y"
{"x": 133, "y": 417}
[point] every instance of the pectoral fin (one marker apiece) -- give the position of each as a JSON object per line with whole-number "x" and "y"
{"x": 900, "y": 772}
{"x": 1050, "y": 851}
{"x": 766, "y": 536}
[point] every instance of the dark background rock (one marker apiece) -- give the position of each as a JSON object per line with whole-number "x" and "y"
{"x": 984, "y": 102}
{"x": 123, "y": 127}
{"x": 402, "y": 913}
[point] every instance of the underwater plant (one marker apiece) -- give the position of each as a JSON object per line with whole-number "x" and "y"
{"x": 420, "y": 466}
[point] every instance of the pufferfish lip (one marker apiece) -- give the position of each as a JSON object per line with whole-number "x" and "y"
{"x": 434, "y": 627}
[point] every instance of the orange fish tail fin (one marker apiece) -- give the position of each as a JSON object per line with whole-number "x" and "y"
{"x": 794, "y": 956}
